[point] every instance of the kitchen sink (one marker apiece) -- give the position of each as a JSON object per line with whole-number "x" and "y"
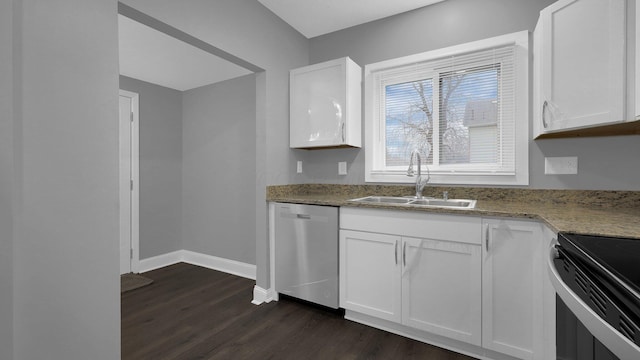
{"x": 445, "y": 203}
{"x": 383, "y": 200}
{"x": 421, "y": 202}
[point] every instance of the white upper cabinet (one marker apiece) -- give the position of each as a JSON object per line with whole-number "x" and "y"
{"x": 325, "y": 110}
{"x": 580, "y": 66}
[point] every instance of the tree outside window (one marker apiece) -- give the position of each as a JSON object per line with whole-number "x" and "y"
{"x": 466, "y": 122}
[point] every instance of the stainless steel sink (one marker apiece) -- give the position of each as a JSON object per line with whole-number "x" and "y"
{"x": 445, "y": 203}
{"x": 383, "y": 200}
{"x": 422, "y": 202}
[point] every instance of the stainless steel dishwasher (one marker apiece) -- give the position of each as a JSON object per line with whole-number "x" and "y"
{"x": 306, "y": 252}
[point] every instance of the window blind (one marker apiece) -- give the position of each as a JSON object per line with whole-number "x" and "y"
{"x": 458, "y": 111}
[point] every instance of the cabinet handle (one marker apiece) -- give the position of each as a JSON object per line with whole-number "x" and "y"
{"x": 343, "y": 135}
{"x": 486, "y": 238}
{"x": 404, "y": 254}
{"x": 396, "y": 257}
{"x": 544, "y": 110}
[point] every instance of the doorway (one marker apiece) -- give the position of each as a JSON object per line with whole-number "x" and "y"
{"x": 129, "y": 181}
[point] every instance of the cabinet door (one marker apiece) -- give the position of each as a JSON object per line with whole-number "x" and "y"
{"x": 512, "y": 288}
{"x": 582, "y": 64}
{"x": 317, "y": 100}
{"x": 441, "y": 288}
{"x": 370, "y": 274}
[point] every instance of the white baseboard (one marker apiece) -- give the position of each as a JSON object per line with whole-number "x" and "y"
{"x": 159, "y": 261}
{"x": 208, "y": 261}
{"x": 461, "y": 347}
{"x": 261, "y": 295}
{"x": 216, "y": 263}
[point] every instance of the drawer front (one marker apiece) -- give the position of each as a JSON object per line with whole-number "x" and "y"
{"x": 460, "y": 228}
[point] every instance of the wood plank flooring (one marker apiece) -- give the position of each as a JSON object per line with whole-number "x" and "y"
{"x": 191, "y": 312}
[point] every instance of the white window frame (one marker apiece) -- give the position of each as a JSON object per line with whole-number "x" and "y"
{"x": 375, "y": 119}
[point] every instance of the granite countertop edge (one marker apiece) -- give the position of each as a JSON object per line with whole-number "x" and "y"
{"x": 562, "y": 216}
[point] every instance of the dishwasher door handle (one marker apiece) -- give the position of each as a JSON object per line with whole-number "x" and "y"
{"x": 304, "y": 216}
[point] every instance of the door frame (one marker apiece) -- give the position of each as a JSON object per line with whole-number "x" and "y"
{"x": 135, "y": 177}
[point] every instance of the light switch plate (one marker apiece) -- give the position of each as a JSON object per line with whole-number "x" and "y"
{"x": 561, "y": 165}
{"x": 342, "y": 168}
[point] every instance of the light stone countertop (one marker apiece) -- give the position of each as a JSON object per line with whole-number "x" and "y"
{"x": 605, "y": 213}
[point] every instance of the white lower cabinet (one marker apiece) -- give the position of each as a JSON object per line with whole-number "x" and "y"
{"x": 512, "y": 288}
{"x": 441, "y": 288}
{"x": 431, "y": 284}
{"x": 476, "y": 281}
{"x": 370, "y": 274}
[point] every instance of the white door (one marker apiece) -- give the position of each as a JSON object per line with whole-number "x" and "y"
{"x": 370, "y": 274}
{"x": 128, "y": 159}
{"x": 441, "y": 288}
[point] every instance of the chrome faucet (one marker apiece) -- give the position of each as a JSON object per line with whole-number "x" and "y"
{"x": 420, "y": 181}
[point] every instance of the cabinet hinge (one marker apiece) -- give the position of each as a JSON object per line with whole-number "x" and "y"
{"x": 131, "y": 116}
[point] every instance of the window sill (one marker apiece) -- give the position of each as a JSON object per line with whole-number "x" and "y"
{"x": 450, "y": 178}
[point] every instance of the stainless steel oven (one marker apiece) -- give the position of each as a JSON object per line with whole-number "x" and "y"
{"x": 597, "y": 284}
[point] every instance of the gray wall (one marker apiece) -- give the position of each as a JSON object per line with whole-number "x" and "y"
{"x": 65, "y": 256}
{"x": 7, "y": 187}
{"x": 604, "y": 163}
{"x": 248, "y": 30}
{"x": 219, "y": 169}
{"x": 449, "y": 23}
{"x": 160, "y": 167}
{"x": 197, "y": 168}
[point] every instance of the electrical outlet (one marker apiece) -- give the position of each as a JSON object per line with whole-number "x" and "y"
{"x": 561, "y": 165}
{"x": 299, "y": 167}
{"x": 342, "y": 168}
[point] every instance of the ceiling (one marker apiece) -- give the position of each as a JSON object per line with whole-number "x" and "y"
{"x": 153, "y": 56}
{"x": 318, "y": 17}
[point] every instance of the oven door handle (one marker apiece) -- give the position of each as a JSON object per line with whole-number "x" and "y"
{"x": 605, "y": 333}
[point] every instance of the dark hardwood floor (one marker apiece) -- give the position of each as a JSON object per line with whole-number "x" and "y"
{"x": 191, "y": 312}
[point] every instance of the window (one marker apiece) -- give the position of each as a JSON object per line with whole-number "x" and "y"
{"x": 464, "y": 108}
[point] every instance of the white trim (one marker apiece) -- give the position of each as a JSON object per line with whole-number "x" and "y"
{"x": 272, "y": 248}
{"x": 425, "y": 337}
{"x": 261, "y": 295}
{"x": 160, "y": 261}
{"x": 135, "y": 178}
{"x": 208, "y": 261}
{"x": 221, "y": 264}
